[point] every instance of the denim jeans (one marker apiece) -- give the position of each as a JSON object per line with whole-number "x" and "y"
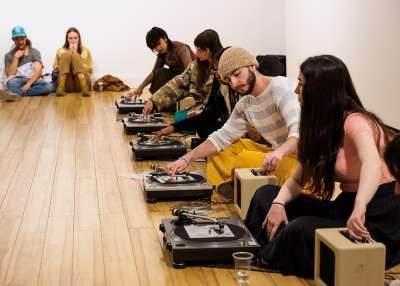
{"x": 40, "y": 87}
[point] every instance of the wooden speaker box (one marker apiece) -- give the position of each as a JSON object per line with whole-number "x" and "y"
{"x": 342, "y": 261}
{"x": 246, "y": 182}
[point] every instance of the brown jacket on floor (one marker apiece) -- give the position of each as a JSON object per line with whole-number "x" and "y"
{"x": 110, "y": 83}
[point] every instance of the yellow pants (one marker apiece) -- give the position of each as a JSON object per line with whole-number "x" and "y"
{"x": 71, "y": 65}
{"x": 245, "y": 153}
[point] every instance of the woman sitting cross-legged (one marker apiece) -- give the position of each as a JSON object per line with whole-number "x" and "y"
{"x": 340, "y": 141}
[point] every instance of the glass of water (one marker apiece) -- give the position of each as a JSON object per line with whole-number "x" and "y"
{"x": 242, "y": 266}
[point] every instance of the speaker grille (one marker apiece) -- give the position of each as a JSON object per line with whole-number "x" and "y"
{"x": 327, "y": 265}
{"x": 239, "y": 193}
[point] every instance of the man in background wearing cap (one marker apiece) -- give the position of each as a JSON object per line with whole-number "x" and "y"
{"x": 269, "y": 105}
{"x": 23, "y": 67}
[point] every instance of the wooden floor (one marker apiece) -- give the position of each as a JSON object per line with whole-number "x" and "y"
{"x": 69, "y": 215}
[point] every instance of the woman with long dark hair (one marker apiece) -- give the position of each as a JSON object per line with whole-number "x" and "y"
{"x": 221, "y": 102}
{"x": 340, "y": 141}
{"x": 175, "y": 55}
{"x": 74, "y": 65}
{"x": 195, "y": 81}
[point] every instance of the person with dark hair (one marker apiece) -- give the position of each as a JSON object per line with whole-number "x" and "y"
{"x": 195, "y": 81}
{"x": 392, "y": 159}
{"x": 173, "y": 58}
{"x": 269, "y": 105}
{"x": 340, "y": 141}
{"x": 221, "y": 101}
{"x": 23, "y": 67}
{"x": 74, "y": 65}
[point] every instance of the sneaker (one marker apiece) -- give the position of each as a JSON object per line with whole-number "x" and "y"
{"x": 9, "y": 96}
{"x": 225, "y": 189}
{"x": 60, "y": 92}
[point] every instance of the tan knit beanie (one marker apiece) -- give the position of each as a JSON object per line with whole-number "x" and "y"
{"x": 233, "y": 59}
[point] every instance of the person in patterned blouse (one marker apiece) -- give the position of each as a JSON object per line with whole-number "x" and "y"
{"x": 195, "y": 81}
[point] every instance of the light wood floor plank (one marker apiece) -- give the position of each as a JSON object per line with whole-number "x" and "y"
{"x": 119, "y": 261}
{"x": 56, "y": 267}
{"x": 9, "y": 226}
{"x": 149, "y": 258}
{"x": 88, "y": 264}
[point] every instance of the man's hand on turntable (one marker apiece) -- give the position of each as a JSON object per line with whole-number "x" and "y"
{"x": 148, "y": 107}
{"x": 177, "y": 166}
{"x": 163, "y": 132}
{"x": 135, "y": 92}
{"x": 275, "y": 217}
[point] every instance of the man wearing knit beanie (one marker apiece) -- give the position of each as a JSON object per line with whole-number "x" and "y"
{"x": 233, "y": 59}
{"x": 270, "y": 105}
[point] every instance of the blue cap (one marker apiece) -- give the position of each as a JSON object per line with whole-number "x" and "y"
{"x": 18, "y": 31}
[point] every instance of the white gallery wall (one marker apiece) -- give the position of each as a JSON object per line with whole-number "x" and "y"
{"x": 365, "y": 34}
{"x": 115, "y": 30}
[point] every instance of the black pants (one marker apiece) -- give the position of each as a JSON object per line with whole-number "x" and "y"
{"x": 160, "y": 77}
{"x": 292, "y": 249}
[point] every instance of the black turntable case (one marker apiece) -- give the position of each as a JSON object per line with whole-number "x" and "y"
{"x": 123, "y": 107}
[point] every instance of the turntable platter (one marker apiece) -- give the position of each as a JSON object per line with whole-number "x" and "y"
{"x": 162, "y": 142}
{"x": 206, "y": 232}
{"x": 145, "y": 119}
{"x": 131, "y": 100}
{"x": 180, "y": 178}
{"x": 184, "y": 186}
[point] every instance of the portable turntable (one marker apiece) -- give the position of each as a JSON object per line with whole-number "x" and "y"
{"x": 158, "y": 185}
{"x": 163, "y": 149}
{"x": 194, "y": 239}
{"x": 136, "y": 123}
{"x": 128, "y": 104}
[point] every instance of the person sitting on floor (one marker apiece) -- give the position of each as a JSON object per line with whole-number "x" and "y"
{"x": 215, "y": 113}
{"x": 74, "y": 65}
{"x": 392, "y": 159}
{"x": 23, "y": 67}
{"x": 195, "y": 81}
{"x": 173, "y": 58}
{"x": 269, "y": 105}
{"x": 340, "y": 141}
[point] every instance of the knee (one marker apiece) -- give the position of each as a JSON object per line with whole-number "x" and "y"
{"x": 249, "y": 159}
{"x": 66, "y": 56}
{"x": 302, "y": 228}
{"x": 13, "y": 82}
{"x": 49, "y": 87}
{"x": 75, "y": 56}
{"x": 266, "y": 194}
{"x": 14, "y": 85}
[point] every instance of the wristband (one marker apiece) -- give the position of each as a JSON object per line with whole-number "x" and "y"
{"x": 278, "y": 203}
{"x": 186, "y": 161}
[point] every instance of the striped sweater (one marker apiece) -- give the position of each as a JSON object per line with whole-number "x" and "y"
{"x": 275, "y": 114}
